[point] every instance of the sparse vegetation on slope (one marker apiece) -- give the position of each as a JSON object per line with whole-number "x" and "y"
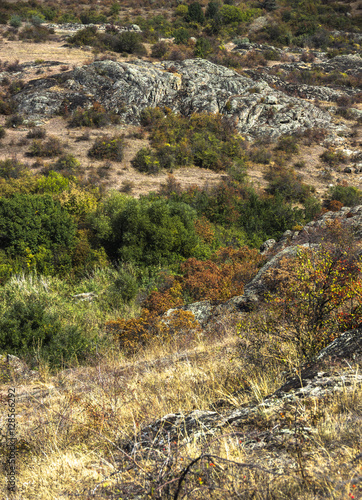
{"x": 167, "y": 356}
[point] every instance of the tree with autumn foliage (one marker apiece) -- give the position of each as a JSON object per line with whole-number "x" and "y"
{"x": 321, "y": 297}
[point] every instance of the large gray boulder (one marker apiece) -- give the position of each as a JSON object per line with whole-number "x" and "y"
{"x": 193, "y": 85}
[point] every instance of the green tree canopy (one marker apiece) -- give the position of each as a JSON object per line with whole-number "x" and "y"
{"x": 31, "y": 221}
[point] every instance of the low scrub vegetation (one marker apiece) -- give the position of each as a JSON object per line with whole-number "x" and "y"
{"x": 96, "y": 116}
{"x": 107, "y": 148}
{"x": 204, "y": 140}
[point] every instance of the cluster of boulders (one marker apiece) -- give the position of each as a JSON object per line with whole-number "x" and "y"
{"x": 101, "y": 27}
{"x": 193, "y": 85}
{"x": 316, "y": 380}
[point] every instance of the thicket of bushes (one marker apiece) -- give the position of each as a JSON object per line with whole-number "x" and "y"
{"x": 297, "y": 23}
{"x": 159, "y": 251}
{"x": 205, "y": 140}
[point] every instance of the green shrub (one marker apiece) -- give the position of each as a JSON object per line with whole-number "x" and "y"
{"x": 53, "y": 146}
{"x": 15, "y": 21}
{"x": 151, "y": 116}
{"x": 36, "y": 34}
{"x": 96, "y": 116}
{"x": 148, "y": 233}
{"x": 203, "y": 47}
{"x": 205, "y": 140}
{"x": 333, "y": 158}
{"x": 181, "y": 10}
{"x": 231, "y": 14}
{"x": 11, "y": 168}
{"x": 108, "y": 148}
{"x": 271, "y": 55}
{"x": 146, "y": 161}
{"x": 68, "y": 165}
{"x": 37, "y": 20}
{"x": 348, "y": 195}
{"x": 181, "y": 35}
{"x": 195, "y": 13}
{"x": 126, "y": 285}
{"x": 130, "y": 43}
{"x": 36, "y": 133}
{"x": 288, "y": 144}
{"x": 52, "y": 183}
{"x": 14, "y": 121}
{"x": 287, "y": 183}
{"x": 32, "y": 221}
{"x": 160, "y": 49}
{"x": 92, "y": 17}
{"x": 29, "y": 330}
{"x": 86, "y": 36}
{"x": 212, "y": 9}
{"x": 260, "y": 155}
{"x": 2, "y": 132}
{"x": 7, "y": 107}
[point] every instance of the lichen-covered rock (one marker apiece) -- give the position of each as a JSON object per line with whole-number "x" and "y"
{"x": 12, "y": 367}
{"x": 347, "y": 64}
{"x": 316, "y": 380}
{"x": 193, "y": 85}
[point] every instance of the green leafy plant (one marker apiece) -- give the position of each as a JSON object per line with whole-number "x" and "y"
{"x": 108, "y": 148}
{"x": 29, "y": 330}
{"x": 48, "y": 148}
{"x": 96, "y": 117}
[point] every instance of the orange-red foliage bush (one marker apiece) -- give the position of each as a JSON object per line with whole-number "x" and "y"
{"x": 223, "y": 276}
{"x": 179, "y": 327}
{"x": 161, "y": 301}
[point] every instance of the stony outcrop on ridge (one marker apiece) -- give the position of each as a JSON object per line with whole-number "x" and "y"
{"x": 316, "y": 380}
{"x": 347, "y": 64}
{"x": 193, "y": 85}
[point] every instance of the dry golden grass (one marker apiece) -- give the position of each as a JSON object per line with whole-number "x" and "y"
{"x": 69, "y": 427}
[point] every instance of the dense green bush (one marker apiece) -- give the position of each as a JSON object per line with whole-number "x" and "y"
{"x": 96, "y": 116}
{"x": 29, "y": 330}
{"x": 68, "y": 165}
{"x": 146, "y": 161}
{"x": 206, "y": 140}
{"x": 86, "y": 36}
{"x": 126, "y": 285}
{"x": 231, "y": 14}
{"x": 181, "y": 35}
{"x": 11, "y": 168}
{"x": 195, "y": 13}
{"x": 203, "y": 47}
{"x": 155, "y": 233}
{"x": 348, "y": 195}
{"x": 34, "y": 221}
{"x": 125, "y": 41}
{"x": 107, "y": 148}
{"x": 15, "y": 21}
{"x": 145, "y": 232}
{"x": 48, "y": 148}
{"x": 130, "y": 42}
{"x": 287, "y": 183}
{"x": 92, "y": 17}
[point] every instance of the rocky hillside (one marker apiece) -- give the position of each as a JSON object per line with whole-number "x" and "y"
{"x": 193, "y": 85}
